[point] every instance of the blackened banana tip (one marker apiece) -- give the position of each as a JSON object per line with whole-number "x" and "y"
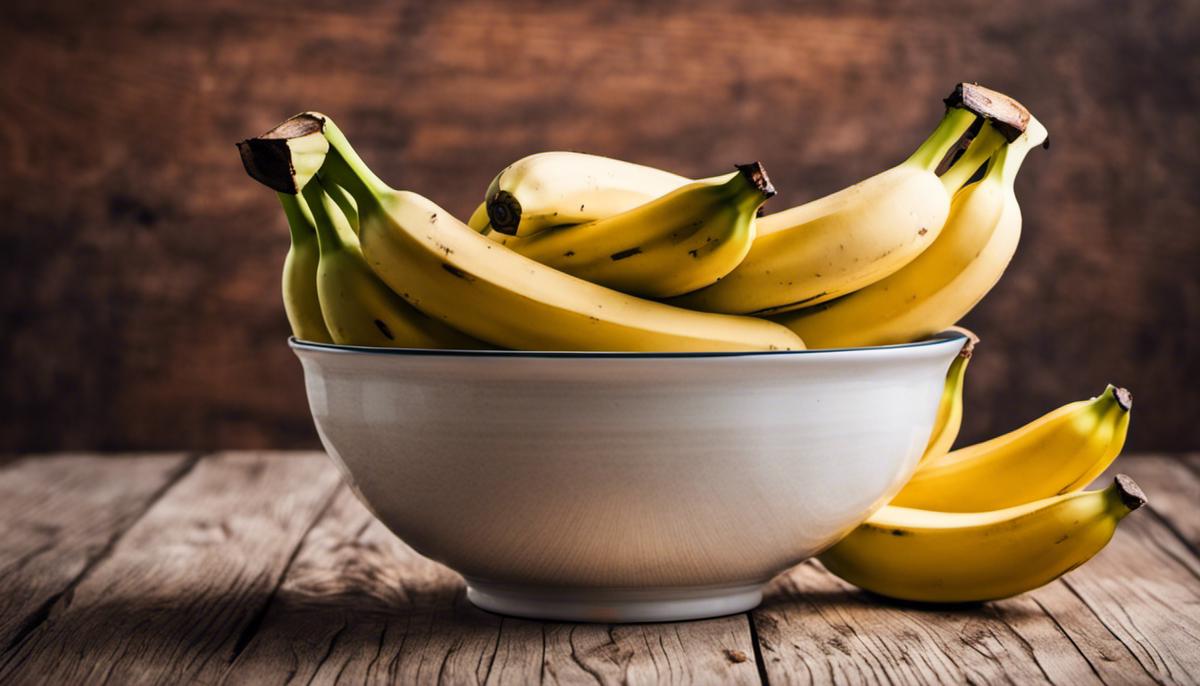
{"x": 268, "y": 161}
{"x": 1006, "y": 114}
{"x": 504, "y": 212}
{"x": 757, "y": 176}
{"x": 1124, "y": 398}
{"x": 1131, "y": 494}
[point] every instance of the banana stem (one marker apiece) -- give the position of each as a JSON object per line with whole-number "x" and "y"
{"x": 749, "y": 186}
{"x": 341, "y": 145}
{"x": 299, "y": 219}
{"x": 953, "y": 125}
{"x": 349, "y": 175}
{"x": 1014, "y": 153}
{"x": 1126, "y": 496}
{"x": 345, "y": 203}
{"x": 331, "y": 233}
{"x": 980, "y": 149}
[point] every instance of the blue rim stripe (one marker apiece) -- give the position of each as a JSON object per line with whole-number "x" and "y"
{"x": 297, "y": 344}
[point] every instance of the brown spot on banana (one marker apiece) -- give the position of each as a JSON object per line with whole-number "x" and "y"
{"x": 455, "y": 271}
{"x": 383, "y": 329}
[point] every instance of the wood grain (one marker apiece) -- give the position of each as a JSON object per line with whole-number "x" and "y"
{"x": 359, "y": 606}
{"x": 261, "y": 568}
{"x": 62, "y": 516}
{"x": 172, "y": 599}
{"x": 139, "y": 294}
{"x": 1128, "y": 616}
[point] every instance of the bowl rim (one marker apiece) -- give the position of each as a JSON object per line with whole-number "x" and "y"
{"x": 941, "y": 338}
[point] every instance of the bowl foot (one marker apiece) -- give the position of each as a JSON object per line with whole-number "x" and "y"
{"x": 610, "y": 605}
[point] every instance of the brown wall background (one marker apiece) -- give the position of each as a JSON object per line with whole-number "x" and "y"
{"x": 139, "y": 291}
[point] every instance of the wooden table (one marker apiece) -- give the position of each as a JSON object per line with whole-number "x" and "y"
{"x": 262, "y": 568}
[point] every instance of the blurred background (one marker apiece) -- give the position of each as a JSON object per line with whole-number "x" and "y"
{"x": 139, "y": 295}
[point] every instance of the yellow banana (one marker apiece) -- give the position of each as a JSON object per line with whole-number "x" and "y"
{"x": 838, "y": 244}
{"x": 554, "y": 188}
{"x": 684, "y": 240}
{"x": 950, "y": 409}
{"x": 479, "y": 220}
{"x": 1061, "y": 452}
{"x": 454, "y": 274}
{"x": 300, "y": 300}
{"x": 974, "y": 556}
{"x": 357, "y": 306}
{"x": 943, "y": 283}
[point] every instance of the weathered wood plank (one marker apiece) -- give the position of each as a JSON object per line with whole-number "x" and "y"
{"x": 61, "y": 515}
{"x": 1172, "y": 482}
{"x": 186, "y": 581}
{"x": 814, "y": 628}
{"x": 711, "y": 651}
{"x": 1145, "y": 587}
{"x": 359, "y": 606}
{"x": 1128, "y": 616}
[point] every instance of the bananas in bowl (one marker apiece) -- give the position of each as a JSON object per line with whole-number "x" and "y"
{"x": 576, "y": 252}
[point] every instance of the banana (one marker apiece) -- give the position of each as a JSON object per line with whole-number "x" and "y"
{"x": 945, "y": 557}
{"x": 300, "y": 300}
{"x": 479, "y": 220}
{"x": 357, "y": 306}
{"x": 449, "y": 271}
{"x": 943, "y": 283}
{"x": 842, "y": 242}
{"x": 1061, "y": 452}
{"x": 554, "y": 188}
{"x": 950, "y": 408}
{"x": 684, "y": 240}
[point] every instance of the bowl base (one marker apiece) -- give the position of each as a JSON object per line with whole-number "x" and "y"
{"x": 610, "y": 605}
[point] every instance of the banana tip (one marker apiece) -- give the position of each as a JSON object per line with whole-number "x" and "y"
{"x": 1008, "y": 116}
{"x": 1124, "y": 398}
{"x": 268, "y": 161}
{"x": 504, "y": 211}
{"x": 1131, "y": 494}
{"x": 757, "y": 175}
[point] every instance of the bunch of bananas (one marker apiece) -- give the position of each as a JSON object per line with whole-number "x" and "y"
{"x": 997, "y": 518}
{"x": 578, "y": 252}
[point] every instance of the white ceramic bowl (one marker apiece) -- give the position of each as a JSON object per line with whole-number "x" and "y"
{"x": 620, "y": 486}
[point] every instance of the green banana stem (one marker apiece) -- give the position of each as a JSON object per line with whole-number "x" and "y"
{"x": 953, "y": 125}
{"x": 345, "y": 203}
{"x": 980, "y": 149}
{"x": 750, "y": 186}
{"x": 333, "y": 231}
{"x": 299, "y": 219}
{"x": 353, "y": 174}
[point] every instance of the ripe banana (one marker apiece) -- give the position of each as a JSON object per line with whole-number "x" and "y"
{"x": 479, "y": 220}
{"x": 554, "y": 188}
{"x": 842, "y": 242}
{"x": 447, "y": 270}
{"x": 943, "y": 283}
{"x": 950, "y": 408}
{"x": 684, "y": 240}
{"x": 300, "y": 300}
{"x": 1061, "y": 452}
{"x": 974, "y": 556}
{"x": 358, "y": 308}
